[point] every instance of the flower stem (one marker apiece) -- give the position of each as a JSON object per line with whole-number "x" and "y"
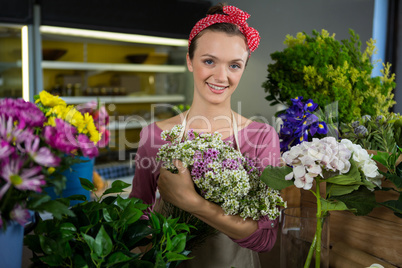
{"x": 318, "y": 228}
{"x": 311, "y": 252}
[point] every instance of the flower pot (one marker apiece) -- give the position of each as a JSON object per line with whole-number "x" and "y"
{"x": 11, "y": 242}
{"x": 73, "y": 184}
{"x": 297, "y": 233}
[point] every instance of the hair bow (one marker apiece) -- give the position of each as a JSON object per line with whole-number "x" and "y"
{"x": 232, "y": 15}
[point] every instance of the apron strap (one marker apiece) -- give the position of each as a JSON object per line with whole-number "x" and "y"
{"x": 235, "y": 129}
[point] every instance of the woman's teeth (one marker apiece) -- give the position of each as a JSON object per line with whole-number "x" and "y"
{"x": 216, "y": 87}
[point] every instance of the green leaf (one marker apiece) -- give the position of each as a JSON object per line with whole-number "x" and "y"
{"x": 382, "y": 157}
{"x": 52, "y": 260}
{"x": 79, "y": 262}
{"x": 103, "y": 244}
{"x": 159, "y": 262}
{"x": 154, "y": 221}
{"x": 395, "y": 179}
{"x": 90, "y": 241}
{"x": 274, "y": 177}
{"x": 131, "y": 215}
{"x": 327, "y": 205}
{"x": 363, "y": 200}
{"x": 168, "y": 243}
{"x": 394, "y": 205}
{"x": 117, "y": 186}
{"x": 337, "y": 190}
{"x": 119, "y": 257}
{"x": 48, "y": 245}
{"x": 87, "y": 184}
{"x": 68, "y": 226}
{"x": 352, "y": 177}
{"x": 57, "y": 209}
{"x": 178, "y": 243}
{"x": 173, "y": 256}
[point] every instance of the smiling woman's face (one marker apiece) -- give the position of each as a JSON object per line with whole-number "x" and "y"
{"x": 218, "y": 64}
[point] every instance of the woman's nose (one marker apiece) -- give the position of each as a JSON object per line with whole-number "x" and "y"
{"x": 220, "y": 74}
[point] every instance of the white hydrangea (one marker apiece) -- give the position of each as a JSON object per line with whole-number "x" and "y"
{"x": 327, "y": 157}
{"x": 364, "y": 162}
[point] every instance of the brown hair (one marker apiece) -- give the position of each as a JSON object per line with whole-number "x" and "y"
{"x": 228, "y": 28}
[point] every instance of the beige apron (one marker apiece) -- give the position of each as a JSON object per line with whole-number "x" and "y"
{"x": 219, "y": 251}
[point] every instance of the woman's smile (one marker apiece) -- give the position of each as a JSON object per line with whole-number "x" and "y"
{"x": 217, "y": 89}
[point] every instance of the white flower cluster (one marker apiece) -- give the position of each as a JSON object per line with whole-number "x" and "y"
{"x": 364, "y": 162}
{"x": 221, "y": 173}
{"x": 327, "y": 157}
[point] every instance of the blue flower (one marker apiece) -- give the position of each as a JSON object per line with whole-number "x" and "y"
{"x": 299, "y": 123}
{"x": 310, "y": 105}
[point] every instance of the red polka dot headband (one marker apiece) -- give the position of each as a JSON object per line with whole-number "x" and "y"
{"x": 232, "y": 15}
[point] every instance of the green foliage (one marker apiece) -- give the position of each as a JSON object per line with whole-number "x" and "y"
{"x": 394, "y": 175}
{"x": 321, "y": 68}
{"x": 380, "y": 134}
{"x": 103, "y": 233}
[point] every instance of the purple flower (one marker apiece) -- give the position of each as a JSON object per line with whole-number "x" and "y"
{"x": 191, "y": 135}
{"x": 21, "y": 178}
{"x": 310, "y": 106}
{"x": 61, "y": 137}
{"x": 298, "y": 122}
{"x": 43, "y": 156}
{"x": 20, "y": 214}
{"x": 87, "y": 147}
{"x": 5, "y": 149}
{"x": 26, "y": 113}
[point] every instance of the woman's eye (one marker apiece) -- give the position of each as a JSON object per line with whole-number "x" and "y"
{"x": 208, "y": 62}
{"x": 235, "y": 66}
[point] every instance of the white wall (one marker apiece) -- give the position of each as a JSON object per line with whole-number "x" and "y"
{"x": 274, "y": 19}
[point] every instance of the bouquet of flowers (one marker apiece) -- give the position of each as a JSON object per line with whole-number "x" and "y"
{"x": 221, "y": 173}
{"x": 300, "y": 123}
{"x": 27, "y": 160}
{"x": 38, "y": 142}
{"x": 66, "y": 128}
{"x": 347, "y": 169}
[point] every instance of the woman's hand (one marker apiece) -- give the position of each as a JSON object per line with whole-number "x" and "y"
{"x": 178, "y": 189}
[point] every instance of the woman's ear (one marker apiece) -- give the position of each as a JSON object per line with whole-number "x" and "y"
{"x": 189, "y": 63}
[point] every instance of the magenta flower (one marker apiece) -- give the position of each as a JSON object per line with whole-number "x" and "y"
{"x": 5, "y": 149}
{"x": 43, "y": 156}
{"x": 87, "y": 147}
{"x": 20, "y": 214}
{"x": 26, "y": 113}
{"x": 61, "y": 137}
{"x": 21, "y": 178}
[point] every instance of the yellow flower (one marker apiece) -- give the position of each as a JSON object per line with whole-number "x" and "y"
{"x": 51, "y": 170}
{"x": 49, "y": 100}
{"x": 51, "y": 121}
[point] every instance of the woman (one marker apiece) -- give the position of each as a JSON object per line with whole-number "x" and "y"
{"x": 219, "y": 49}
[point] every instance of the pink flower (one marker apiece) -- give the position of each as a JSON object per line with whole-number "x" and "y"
{"x": 20, "y": 214}
{"x": 5, "y": 149}
{"x": 21, "y": 178}
{"x": 43, "y": 156}
{"x": 88, "y": 148}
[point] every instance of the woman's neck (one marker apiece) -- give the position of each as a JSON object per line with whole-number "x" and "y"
{"x": 210, "y": 118}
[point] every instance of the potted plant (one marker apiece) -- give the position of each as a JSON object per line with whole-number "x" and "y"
{"x": 105, "y": 232}
{"x": 321, "y": 68}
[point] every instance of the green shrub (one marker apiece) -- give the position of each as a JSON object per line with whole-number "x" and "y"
{"x": 325, "y": 70}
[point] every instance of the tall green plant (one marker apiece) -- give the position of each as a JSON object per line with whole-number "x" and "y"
{"x": 321, "y": 68}
{"x": 103, "y": 233}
